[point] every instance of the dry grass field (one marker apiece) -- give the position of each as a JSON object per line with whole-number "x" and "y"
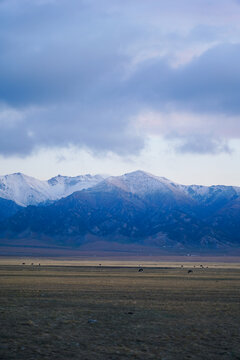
{"x": 113, "y": 312}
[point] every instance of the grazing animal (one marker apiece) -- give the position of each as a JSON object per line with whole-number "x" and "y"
{"x": 190, "y": 271}
{"x": 140, "y": 270}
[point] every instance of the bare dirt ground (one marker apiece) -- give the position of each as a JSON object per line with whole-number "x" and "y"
{"x": 112, "y": 312}
{"x": 128, "y": 261}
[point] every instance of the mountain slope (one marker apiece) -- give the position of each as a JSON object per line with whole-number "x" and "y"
{"x": 157, "y": 191}
{"x": 136, "y": 208}
{"x": 8, "y": 208}
{"x": 107, "y": 212}
{"x": 26, "y": 190}
{"x": 210, "y": 199}
{"x": 226, "y": 221}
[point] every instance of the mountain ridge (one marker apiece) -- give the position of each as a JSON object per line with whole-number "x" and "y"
{"x": 25, "y": 190}
{"x": 137, "y": 209}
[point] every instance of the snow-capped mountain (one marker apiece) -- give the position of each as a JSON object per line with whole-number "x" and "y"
{"x": 135, "y": 208}
{"x": 143, "y": 183}
{"x": 23, "y": 189}
{"x": 62, "y": 186}
{"x": 26, "y": 190}
{"x": 153, "y": 189}
{"x": 211, "y": 198}
{"x": 140, "y": 183}
{"x": 160, "y": 190}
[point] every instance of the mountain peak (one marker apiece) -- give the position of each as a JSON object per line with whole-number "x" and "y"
{"x": 145, "y": 174}
{"x": 141, "y": 182}
{"x": 25, "y": 190}
{"x": 139, "y": 173}
{"x": 17, "y": 174}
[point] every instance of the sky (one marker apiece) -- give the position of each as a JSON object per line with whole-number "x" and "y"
{"x": 112, "y": 86}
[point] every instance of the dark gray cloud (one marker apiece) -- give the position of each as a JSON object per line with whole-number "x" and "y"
{"x": 77, "y": 72}
{"x": 209, "y": 83}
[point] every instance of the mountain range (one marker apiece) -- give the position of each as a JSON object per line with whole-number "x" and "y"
{"x": 137, "y": 211}
{"x": 25, "y": 190}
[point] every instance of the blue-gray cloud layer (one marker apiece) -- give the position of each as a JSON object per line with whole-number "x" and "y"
{"x": 76, "y": 72}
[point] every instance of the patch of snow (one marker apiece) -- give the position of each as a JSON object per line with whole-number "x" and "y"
{"x": 140, "y": 182}
{"x": 26, "y": 190}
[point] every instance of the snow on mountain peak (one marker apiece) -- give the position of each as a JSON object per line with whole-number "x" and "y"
{"x": 141, "y": 182}
{"x": 26, "y": 190}
{"x": 67, "y": 185}
{"x": 23, "y": 189}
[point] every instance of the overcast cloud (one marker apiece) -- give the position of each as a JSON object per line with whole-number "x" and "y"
{"x": 104, "y": 75}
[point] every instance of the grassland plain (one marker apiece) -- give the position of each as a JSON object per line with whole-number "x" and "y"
{"x": 46, "y": 312}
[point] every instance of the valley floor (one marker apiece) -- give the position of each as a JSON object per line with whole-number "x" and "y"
{"x": 116, "y": 312}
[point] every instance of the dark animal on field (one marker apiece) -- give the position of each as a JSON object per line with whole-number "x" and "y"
{"x": 190, "y": 271}
{"x": 140, "y": 270}
{"x": 23, "y": 263}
